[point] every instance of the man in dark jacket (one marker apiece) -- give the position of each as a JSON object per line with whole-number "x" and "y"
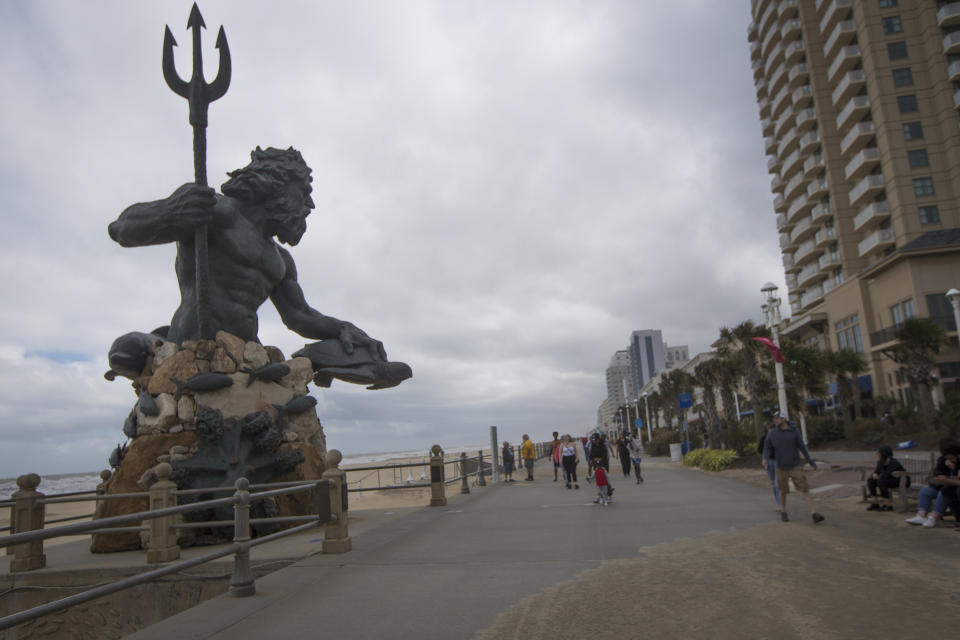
{"x": 883, "y": 478}
{"x": 784, "y": 444}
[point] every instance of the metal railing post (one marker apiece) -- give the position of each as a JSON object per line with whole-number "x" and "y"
{"x": 241, "y": 582}
{"x": 163, "y": 538}
{"x": 464, "y": 485}
{"x": 438, "y": 496}
{"x": 481, "y": 481}
{"x": 494, "y": 456}
{"x": 28, "y": 515}
{"x": 336, "y": 535}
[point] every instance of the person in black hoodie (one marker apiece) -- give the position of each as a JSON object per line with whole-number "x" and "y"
{"x": 883, "y": 479}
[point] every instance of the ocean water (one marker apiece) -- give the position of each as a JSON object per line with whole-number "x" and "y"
{"x": 70, "y": 482}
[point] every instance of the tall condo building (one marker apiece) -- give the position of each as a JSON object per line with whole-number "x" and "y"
{"x": 648, "y": 355}
{"x": 858, "y": 105}
{"x": 619, "y": 384}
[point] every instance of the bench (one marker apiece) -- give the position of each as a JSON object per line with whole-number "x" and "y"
{"x": 917, "y": 467}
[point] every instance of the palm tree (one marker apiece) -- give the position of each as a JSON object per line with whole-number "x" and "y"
{"x": 845, "y": 365}
{"x": 707, "y": 375}
{"x": 672, "y": 384}
{"x": 737, "y": 344}
{"x": 919, "y": 341}
{"x": 727, "y": 377}
{"x": 803, "y": 373}
{"x": 654, "y": 403}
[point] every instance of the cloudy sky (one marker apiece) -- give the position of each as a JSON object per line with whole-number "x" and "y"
{"x": 504, "y": 191}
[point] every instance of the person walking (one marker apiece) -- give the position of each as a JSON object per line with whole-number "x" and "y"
{"x": 555, "y": 454}
{"x": 771, "y": 469}
{"x": 507, "y": 462}
{"x": 569, "y": 459}
{"x": 623, "y": 452}
{"x": 783, "y": 443}
{"x": 636, "y": 448}
{"x": 529, "y": 455}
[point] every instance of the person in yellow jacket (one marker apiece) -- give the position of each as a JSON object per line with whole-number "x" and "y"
{"x": 529, "y": 455}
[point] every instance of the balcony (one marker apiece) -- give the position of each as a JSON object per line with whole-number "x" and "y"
{"x": 799, "y": 74}
{"x": 787, "y": 141}
{"x": 813, "y": 164}
{"x": 784, "y": 241}
{"x": 757, "y": 66}
{"x": 809, "y": 141}
{"x": 752, "y": 32}
{"x": 776, "y": 184}
{"x": 949, "y": 15}
{"x": 806, "y": 119}
{"x": 774, "y": 59}
{"x": 825, "y": 235}
{"x": 832, "y": 283}
{"x": 820, "y": 211}
{"x": 843, "y": 34}
{"x": 799, "y": 206}
{"x": 866, "y": 188}
{"x": 849, "y": 86}
{"x": 829, "y": 261}
{"x": 773, "y": 164}
{"x": 889, "y": 334}
{"x": 873, "y": 214}
{"x": 791, "y": 29}
{"x": 762, "y": 87}
{"x": 780, "y": 101}
{"x": 769, "y": 145}
{"x": 795, "y": 307}
{"x": 875, "y": 242}
{"x": 802, "y": 96}
{"x": 847, "y": 58}
{"x": 766, "y": 126}
{"x": 790, "y": 164}
{"x": 787, "y": 9}
{"x": 778, "y": 77}
{"x": 767, "y": 15}
{"x": 806, "y": 252}
{"x": 788, "y": 263}
{"x": 783, "y": 225}
{"x": 836, "y": 10}
{"x": 817, "y": 188}
{"x": 795, "y": 186}
{"x": 795, "y": 51}
{"x": 802, "y": 231}
{"x": 862, "y": 163}
{"x": 791, "y": 282}
{"x": 780, "y": 204}
{"x": 956, "y": 99}
{"x": 808, "y": 274}
{"x": 811, "y": 296}
{"x": 858, "y": 107}
{"x": 953, "y": 71}
{"x": 755, "y": 52}
{"x": 857, "y": 137}
{"x": 769, "y": 46}
{"x": 951, "y": 43}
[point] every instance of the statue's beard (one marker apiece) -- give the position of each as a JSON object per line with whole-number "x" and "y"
{"x": 283, "y": 220}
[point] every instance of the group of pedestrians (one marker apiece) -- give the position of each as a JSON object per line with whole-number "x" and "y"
{"x": 528, "y": 454}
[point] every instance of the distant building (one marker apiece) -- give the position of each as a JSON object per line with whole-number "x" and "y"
{"x": 648, "y": 355}
{"x": 676, "y": 356}
{"x": 619, "y": 385}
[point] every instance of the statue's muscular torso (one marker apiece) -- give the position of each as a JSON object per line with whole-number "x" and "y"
{"x": 244, "y": 266}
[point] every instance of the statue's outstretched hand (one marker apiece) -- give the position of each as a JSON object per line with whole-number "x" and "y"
{"x": 351, "y": 336}
{"x": 191, "y": 206}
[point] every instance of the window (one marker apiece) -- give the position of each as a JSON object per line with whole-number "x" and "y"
{"x": 902, "y": 77}
{"x": 918, "y": 158}
{"x": 907, "y": 103}
{"x": 908, "y": 311}
{"x": 848, "y": 333}
{"x": 923, "y": 186}
{"x": 886, "y": 4}
{"x": 892, "y": 25}
{"x": 897, "y": 314}
{"x": 897, "y": 50}
{"x": 929, "y": 214}
{"x": 941, "y": 311}
{"x": 912, "y": 131}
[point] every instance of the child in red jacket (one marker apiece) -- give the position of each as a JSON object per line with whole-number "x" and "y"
{"x": 600, "y": 477}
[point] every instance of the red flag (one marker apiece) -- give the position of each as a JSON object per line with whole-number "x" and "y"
{"x": 774, "y": 351}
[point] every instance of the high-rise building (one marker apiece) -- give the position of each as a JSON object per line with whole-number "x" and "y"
{"x": 676, "y": 356}
{"x": 859, "y": 104}
{"x": 647, "y": 355}
{"x": 619, "y": 383}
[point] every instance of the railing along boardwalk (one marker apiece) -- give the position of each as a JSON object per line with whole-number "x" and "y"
{"x": 28, "y": 520}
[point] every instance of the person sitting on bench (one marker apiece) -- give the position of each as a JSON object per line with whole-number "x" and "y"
{"x": 883, "y": 479}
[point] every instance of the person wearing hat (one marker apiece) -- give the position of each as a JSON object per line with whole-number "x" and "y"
{"x": 883, "y": 479}
{"x": 784, "y": 444}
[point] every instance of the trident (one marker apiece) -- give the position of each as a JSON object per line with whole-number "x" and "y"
{"x": 199, "y": 94}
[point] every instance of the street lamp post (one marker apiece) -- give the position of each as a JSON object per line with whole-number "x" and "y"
{"x": 954, "y": 296}
{"x": 771, "y": 312}
{"x": 646, "y": 407}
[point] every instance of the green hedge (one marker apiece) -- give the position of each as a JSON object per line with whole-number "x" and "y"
{"x": 710, "y": 459}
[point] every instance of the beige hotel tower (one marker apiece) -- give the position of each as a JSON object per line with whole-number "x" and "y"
{"x": 860, "y": 110}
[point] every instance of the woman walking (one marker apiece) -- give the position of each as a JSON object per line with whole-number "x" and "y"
{"x": 636, "y": 446}
{"x": 623, "y": 452}
{"x": 569, "y": 460}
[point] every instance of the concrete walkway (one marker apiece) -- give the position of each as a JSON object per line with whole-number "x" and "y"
{"x": 447, "y": 572}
